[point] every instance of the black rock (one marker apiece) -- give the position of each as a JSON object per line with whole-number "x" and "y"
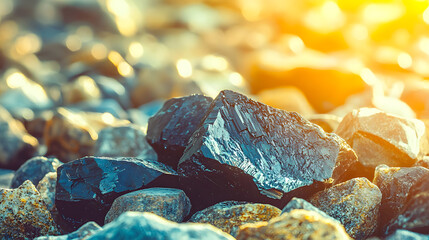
{"x": 34, "y": 170}
{"x": 248, "y": 151}
{"x": 169, "y": 130}
{"x": 87, "y": 187}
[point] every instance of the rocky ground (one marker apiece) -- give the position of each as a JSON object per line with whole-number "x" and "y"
{"x": 207, "y": 120}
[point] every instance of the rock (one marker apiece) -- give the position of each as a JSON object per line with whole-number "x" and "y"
{"x": 424, "y": 162}
{"x": 81, "y": 89}
{"x": 381, "y": 138}
{"x": 394, "y": 184}
{"x": 123, "y": 141}
{"x": 355, "y": 203}
{"x": 328, "y": 122}
{"x": 229, "y": 215}
{"x": 36, "y": 124}
{"x": 169, "y": 203}
{"x": 298, "y": 203}
{"x": 171, "y": 127}
{"x": 414, "y": 215}
{"x": 6, "y": 176}
{"x": 16, "y": 145}
{"x": 34, "y": 170}
{"x": 83, "y": 232}
{"x": 248, "y": 151}
{"x": 297, "y": 224}
{"x": 87, "y": 187}
{"x": 111, "y": 88}
{"x": 46, "y": 188}
{"x": 141, "y": 226}
{"x": 100, "y": 106}
{"x": 23, "y": 214}
{"x": 407, "y": 235}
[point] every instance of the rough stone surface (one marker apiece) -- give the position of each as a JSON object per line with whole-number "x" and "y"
{"x": 381, "y": 138}
{"x": 82, "y": 233}
{"x": 171, "y": 127}
{"x": 355, "y": 203}
{"x": 23, "y": 214}
{"x": 298, "y": 203}
{"x": 297, "y": 224}
{"x": 142, "y": 226}
{"x": 248, "y": 151}
{"x": 407, "y": 235}
{"x": 123, "y": 141}
{"x": 87, "y": 187}
{"x": 46, "y": 188}
{"x": 228, "y": 216}
{"x": 169, "y": 203}
{"x": 6, "y": 178}
{"x": 34, "y": 170}
{"x": 394, "y": 184}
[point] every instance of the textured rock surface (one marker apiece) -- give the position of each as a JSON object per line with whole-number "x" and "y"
{"x": 355, "y": 203}
{"x": 83, "y": 232}
{"x": 6, "y": 178}
{"x": 87, "y": 187}
{"x": 169, "y": 203}
{"x": 245, "y": 150}
{"x": 34, "y": 170}
{"x": 228, "y": 216}
{"x": 394, "y": 184}
{"x": 171, "y": 127}
{"x": 23, "y": 214}
{"x": 407, "y": 235}
{"x": 142, "y": 226}
{"x": 46, "y": 188}
{"x": 380, "y": 138}
{"x": 298, "y": 203}
{"x": 297, "y": 224}
{"x": 123, "y": 141}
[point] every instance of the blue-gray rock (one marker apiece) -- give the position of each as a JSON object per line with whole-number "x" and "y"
{"x": 101, "y": 106}
{"x": 34, "y": 170}
{"x": 407, "y": 235}
{"x": 169, "y": 203}
{"x": 247, "y": 151}
{"x": 87, "y": 187}
{"x": 6, "y": 176}
{"x": 83, "y": 232}
{"x": 171, "y": 127}
{"x": 123, "y": 141}
{"x": 298, "y": 203}
{"x": 143, "y": 226}
{"x": 112, "y": 89}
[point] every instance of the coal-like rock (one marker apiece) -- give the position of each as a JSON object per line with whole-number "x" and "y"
{"x": 34, "y": 170}
{"x": 23, "y": 214}
{"x": 83, "y": 232}
{"x": 123, "y": 141}
{"x": 247, "y": 151}
{"x": 6, "y": 177}
{"x": 46, "y": 188}
{"x": 169, "y": 203}
{"x": 142, "y": 226}
{"x": 381, "y": 138}
{"x": 228, "y": 216}
{"x": 297, "y": 224}
{"x": 171, "y": 127}
{"x": 355, "y": 203}
{"x": 298, "y": 203}
{"x": 394, "y": 184}
{"x": 407, "y": 235}
{"x": 87, "y": 187}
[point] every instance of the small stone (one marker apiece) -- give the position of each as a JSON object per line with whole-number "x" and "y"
{"x": 171, "y": 127}
{"x": 81, "y": 89}
{"x": 142, "y": 226}
{"x": 34, "y": 170}
{"x": 123, "y": 141}
{"x": 298, "y": 203}
{"x": 247, "y": 151}
{"x": 23, "y": 214}
{"x": 83, "y": 232}
{"x": 87, "y": 187}
{"x": 328, "y": 122}
{"x": 169, "y": 203}
{"x": 295, "y": 225}
{"x": 381, "y": 138}
{"x": 229, "y": 215}
{"x": 355, "y": 203}
{"x": 394, "y": 184}
{"x": 46, "y": 188}
{"x": 6, "y": 176}
{"x": 407, "y": 235}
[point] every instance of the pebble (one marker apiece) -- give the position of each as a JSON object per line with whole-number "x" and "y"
{"x": 34, "y": 170}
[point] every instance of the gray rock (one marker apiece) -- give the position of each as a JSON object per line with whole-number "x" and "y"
{"x": 143, "y": 226}
{"x": 169, "y": 203}
{"x": 123, "y": 141}
{"x": 407, "y": 235}
{"x": 46, "y": 188}
{"x": 82, "y": 233}
{"x": 34, "y": 170}
{"x": 298, "y": 203}
{"x": 6, "y": 176}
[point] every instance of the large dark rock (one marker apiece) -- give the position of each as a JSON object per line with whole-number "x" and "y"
{"x": 171, "y": 127}
{"x": 87, "y": 187}
{"x": 247, "y": 151}
{"x": 34, "y": 170}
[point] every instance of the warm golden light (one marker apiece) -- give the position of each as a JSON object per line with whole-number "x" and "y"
{"x": 405, "y": 60}
{"x": 326, "y": 18}
{"x": 377, "y": 13}
{"x": 73, "y": 43}
{"x": 426, "y": 16}
{"x": 125, "y": 69}
{"x": 214, "y": 63}
{"x": 136, "y": 50}
{"x": 184, "y": 68}
{"x": 99, "y": 51}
